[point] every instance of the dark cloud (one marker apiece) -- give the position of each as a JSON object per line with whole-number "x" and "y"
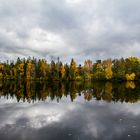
{"x": 81, "y": 29}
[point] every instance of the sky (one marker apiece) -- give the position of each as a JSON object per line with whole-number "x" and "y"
{"x": 79, "y": 29}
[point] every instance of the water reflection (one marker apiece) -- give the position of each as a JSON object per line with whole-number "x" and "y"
{"x": 32, "y": 91}
{"x": 92, "y": 114}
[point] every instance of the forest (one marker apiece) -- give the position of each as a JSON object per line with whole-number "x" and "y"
{"x": 127, "y": 69}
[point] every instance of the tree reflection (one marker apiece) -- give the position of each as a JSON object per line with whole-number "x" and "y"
{"x": 88, "y": 95}
{"x": 107, "y": 95}
{"x": 130, "y": 84}
{"x": 32, "y": 91}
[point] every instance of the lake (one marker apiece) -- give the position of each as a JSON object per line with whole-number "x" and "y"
{"x": 69, "y": 111}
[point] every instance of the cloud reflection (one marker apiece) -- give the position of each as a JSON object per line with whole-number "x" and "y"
{"x": 66, "y": 120}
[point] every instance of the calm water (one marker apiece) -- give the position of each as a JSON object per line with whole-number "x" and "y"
{"x": 69, "y": 111}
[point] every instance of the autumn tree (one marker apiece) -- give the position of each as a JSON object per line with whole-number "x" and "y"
{"x": 39, "y": 69}
{"x": 61, "y": 71}
{"x": 28, "y": 70}
{"x": 44, "y": 69}
{"x": 132, "y": 65}
{"x": 1, "y": 70}
{"x": 130, "y": 77}
{"x": 20, "y": 70}
{"x": 107, "y": 66}
{"x": 98, "y": 70}
{"x": 88, "y": 69}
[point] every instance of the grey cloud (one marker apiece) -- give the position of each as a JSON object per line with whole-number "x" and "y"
{"x": 87, "y": 29}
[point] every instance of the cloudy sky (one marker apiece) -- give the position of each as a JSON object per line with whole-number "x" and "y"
{"x": 82, "y": 29}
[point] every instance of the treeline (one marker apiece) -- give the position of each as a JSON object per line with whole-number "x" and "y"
{"x": 39, "y": 69}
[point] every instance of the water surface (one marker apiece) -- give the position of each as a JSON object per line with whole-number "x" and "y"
{"x": 69, "y": 111}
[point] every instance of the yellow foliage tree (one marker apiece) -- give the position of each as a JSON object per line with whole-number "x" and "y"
{"x": 1, "y": 66}
{"x": 62, "y": 71}
{"x": 108, "y": 73}
{"x": 98, "y": 73}
{"x": 107, "y": 64}
{"x": 130, "y": 77}
{"x": 44, "y": 68}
